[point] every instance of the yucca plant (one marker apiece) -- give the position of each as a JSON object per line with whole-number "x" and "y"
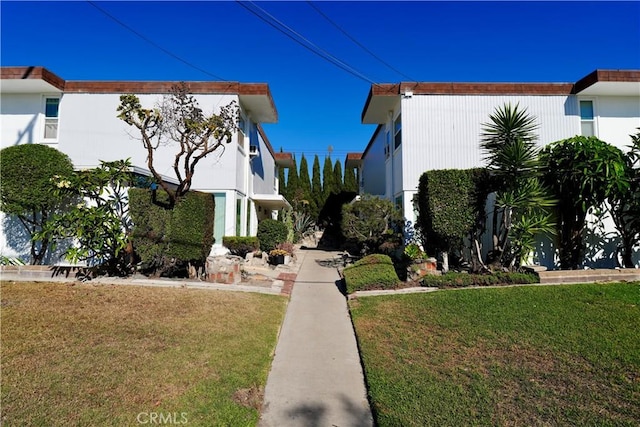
{"x": 512, "y": 154}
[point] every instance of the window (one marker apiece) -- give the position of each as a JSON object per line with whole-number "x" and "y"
{"x": 51, "y": 106}
{"x": 587, "y": 123}
{"x": 398, "y": 203}
{"x": 241, "y": 126}
{"x": 397, "y": 132}
{"x": 249, "y": 210}
{"x": 238, "y": 217}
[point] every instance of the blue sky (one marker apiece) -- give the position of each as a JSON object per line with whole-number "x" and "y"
{"x": 319, "y": 105}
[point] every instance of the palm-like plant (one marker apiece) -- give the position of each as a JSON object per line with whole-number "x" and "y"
{"x": 509, "y": 143}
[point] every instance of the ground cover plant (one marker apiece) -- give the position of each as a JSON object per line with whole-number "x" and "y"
{"x": 460, "y": 280}
{"x": 107, "y": 355}
{"x": 535, "y": 355}
{"x": 374, "y": 271}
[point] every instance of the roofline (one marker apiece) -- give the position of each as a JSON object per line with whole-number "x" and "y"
{"x": 354, "y": 159}
{"x": 479, "y": 88}
{"x": 32, "y": 72}
{"x": 606, "y": 76}
{"x": 138, "y": 87}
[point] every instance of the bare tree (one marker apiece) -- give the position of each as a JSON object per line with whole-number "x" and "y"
{"x": 178, "y": 119}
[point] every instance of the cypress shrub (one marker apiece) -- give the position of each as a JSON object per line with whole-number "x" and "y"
{"x": 271, "y": 233}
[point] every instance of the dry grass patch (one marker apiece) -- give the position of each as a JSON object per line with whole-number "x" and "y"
{"x": 101, "y": 355}
{"x": 533, "y": 356}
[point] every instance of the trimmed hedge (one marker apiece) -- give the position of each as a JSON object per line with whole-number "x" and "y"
{"x": 241, "y": 246}
{"x": 184, "y": 233}
{"x": 271, "y": 233}
{"x": 371, "y": 272}
{"x": 461, "y": 280}
{"x": 445, "y": 220}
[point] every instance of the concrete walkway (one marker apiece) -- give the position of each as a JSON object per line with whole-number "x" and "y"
{"x": 316, "y": 378}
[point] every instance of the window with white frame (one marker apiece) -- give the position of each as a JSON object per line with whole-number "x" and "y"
{"x": 397, "y": 132}
{"x": 51, "y": 108}
{"x": 587, "y": 121}
{"x": 241, "y": 125}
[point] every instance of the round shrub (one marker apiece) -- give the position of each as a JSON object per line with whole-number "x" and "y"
{"x": 271, "y": 233}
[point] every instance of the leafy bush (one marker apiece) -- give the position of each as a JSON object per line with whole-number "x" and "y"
{"x": 167, "y": 239}
{"x": 100, "y": 227}
{"x": 461, "y": 280}
{"x": 27, "y": 177}
{"x": 414, "y": 252}
{"x": 241, "y": 246}
{"x": 270, "y": 233}
{"x": 371, "y": 272}
{"x": 375, "y": 224}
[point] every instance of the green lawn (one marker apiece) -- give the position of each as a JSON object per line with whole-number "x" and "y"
{"x": 124, "y": 356}
{"x": 536, "y": 355}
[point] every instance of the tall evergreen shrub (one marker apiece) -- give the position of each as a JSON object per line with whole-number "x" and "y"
{"x": 183, "y": 234}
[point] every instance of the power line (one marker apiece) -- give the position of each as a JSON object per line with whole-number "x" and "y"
{"x": 154, "y": 44}
{"x": 301, "y": 40}
{"x": 321, "y": 13}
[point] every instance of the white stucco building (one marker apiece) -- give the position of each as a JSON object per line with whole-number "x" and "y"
{"x": 426, "y": 126}
{"x": 79, "y": 118}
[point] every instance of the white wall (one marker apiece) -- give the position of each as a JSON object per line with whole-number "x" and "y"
{"x": 443, "y": 131}
{"x": 90, "y": 132}
{"x": 617, "y": 117}
{"x": 372, "y": 178}
{"x": 21, "y": 119}
{"x": 264, "y": 169}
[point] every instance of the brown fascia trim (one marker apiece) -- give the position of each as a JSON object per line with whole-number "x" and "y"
{"x": 606, "y": 76}
{"x": 258, "y": 89}
{"x": 283, "y": 157}
{"x": 138, "y": 87}
{"x": 352, "y": 157}
{"x": 146, "y": 87}
{"x": 35, "y": 73}
{"x": 425, "y": 88}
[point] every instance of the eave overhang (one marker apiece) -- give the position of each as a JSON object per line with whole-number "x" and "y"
{"x": 256, "y": 98}
{"x": 271, "y": 202}
{"x": 609, "y": 83}
{"x": 385, "y": 97}
{"x": 353, "y": 160}
{"x": 284, "y": 160}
